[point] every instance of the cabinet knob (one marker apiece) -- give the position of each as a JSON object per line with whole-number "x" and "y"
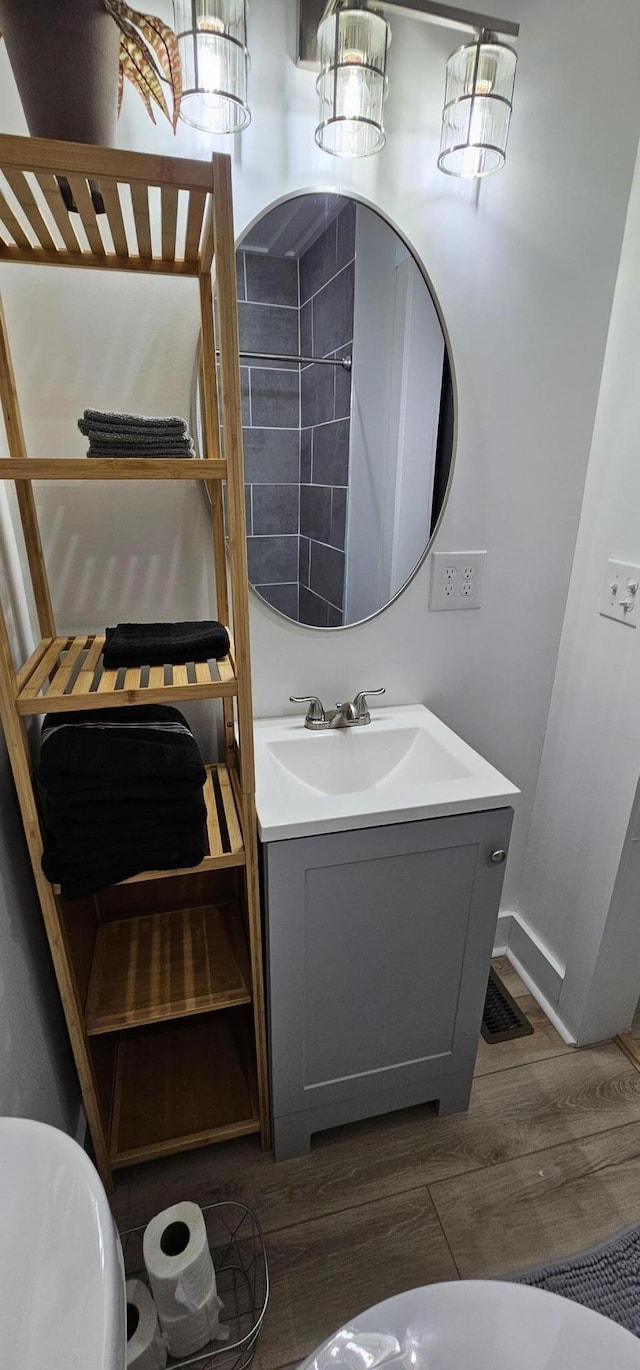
{"x": 497, "y": 857}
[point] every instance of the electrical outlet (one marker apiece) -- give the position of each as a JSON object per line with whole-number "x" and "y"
{"x": 456, "y": 580}
{"x": 620, "y": 592}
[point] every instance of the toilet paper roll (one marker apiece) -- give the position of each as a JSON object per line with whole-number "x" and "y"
{"x": 193, "y": 1330}
{"x": 178, "y": 1261}
{"x": 146, "y": 1343}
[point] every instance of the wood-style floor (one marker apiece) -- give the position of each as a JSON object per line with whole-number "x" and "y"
{"x": 546, "y": 1162}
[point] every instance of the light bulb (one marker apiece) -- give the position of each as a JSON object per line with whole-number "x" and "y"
{"x": 351, "y": 81}
{"x": 473, "y": 158}
{"x": 210, "y": 60}
{"x": 485, "y": 75}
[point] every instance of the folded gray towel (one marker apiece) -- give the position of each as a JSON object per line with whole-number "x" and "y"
{"x": 132, "y": 435}
{"x": 108, "y": 419}
{"x": 116, "y": 449}
{"x": 159, "y": 440}
{"x": 139, "y": 454}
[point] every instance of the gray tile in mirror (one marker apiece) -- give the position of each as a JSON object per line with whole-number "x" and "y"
{"x": 273, "y": 560}
{"x": 330, "y": 456}
{"x": 315, "y": 512}
{"x": 271, "y": 455}
{"x": 275, "y": 398}
{"x": 275, "y": 508}
{"x": 326, "y": 577}
{"x": 283, "y": 597}
{"x": 271, "y": 280}
{"x": 313, "y": 609}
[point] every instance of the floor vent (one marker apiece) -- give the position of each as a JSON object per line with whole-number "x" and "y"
{"x": 502, "y": 1019}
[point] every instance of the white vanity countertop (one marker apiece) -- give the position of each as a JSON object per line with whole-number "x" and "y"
{"x": 403, "y": 766}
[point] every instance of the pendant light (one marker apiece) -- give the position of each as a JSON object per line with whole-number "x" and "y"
{"x": 477, "y": 107}
{"x": 212, "y": 38}
{"x": 352, "y": 84}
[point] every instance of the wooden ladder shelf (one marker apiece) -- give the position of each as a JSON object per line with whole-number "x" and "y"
{"x": 161, "y": 977}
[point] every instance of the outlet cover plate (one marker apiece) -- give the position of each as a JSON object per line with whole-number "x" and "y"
{"x": 456, "y": 580}
{"x": 616, "y": 590}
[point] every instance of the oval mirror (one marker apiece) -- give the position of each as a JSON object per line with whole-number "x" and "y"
{"x": 348, "y": 409}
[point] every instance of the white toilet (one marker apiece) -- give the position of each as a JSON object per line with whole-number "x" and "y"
{"x": 62, "y": 1299}
{"x": 478, "y": 1325}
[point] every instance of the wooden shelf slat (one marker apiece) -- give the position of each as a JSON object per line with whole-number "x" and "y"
{"x": 195, "y": 215}
{"x": 51, "y": 191}
{"x": 82, "y": 197}
{"x": 169, "y": 220}
{"x": 14, "y": 226}
{"x": 183, "y": 1086}
{"x": 112, "y": 468}
{"x": 77, "y": 680}
{"x": 167, "y": 965}
{"x": 142, "y": 221}
{"x": 27, "y": 201}
{"x": 109, "y": 192}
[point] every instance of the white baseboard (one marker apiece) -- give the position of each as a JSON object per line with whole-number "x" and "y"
{"x": 503, "y": 929}
{"x": 536, "y": 965}
{"x": 543, "y": 968}
{"x": 548, "y": 1009}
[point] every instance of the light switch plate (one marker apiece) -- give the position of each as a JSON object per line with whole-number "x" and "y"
{"x": 456, "y": 580}
{"x": 621, "y": 593}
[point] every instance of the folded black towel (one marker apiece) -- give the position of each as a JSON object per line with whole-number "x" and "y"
{"x": 157, "y": 644}
{"x": 73, "y": 793}
{"x": 100, "y": 846}
{"x": 83, "y": 821}
{"x": 144, "y": 742}
{"x": 79, "y": 879}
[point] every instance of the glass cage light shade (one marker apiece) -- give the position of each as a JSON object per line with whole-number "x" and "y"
{"x": 212, "y": 38}
{"x": 477, "y": 108}
{"x": 352, "y": 84}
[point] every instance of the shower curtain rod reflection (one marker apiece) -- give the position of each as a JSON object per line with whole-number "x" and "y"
{"x": 344, "y": 362}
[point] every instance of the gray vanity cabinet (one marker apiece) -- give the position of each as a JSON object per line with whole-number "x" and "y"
{"x": 378, "y": 950}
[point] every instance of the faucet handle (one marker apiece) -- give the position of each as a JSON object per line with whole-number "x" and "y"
{"x": 360, "y": 702}
{"x": 315, "y": 712}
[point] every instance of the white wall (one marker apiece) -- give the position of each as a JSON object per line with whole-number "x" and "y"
{"x": 581, "y": 889}
{"x": 524, "y": 269}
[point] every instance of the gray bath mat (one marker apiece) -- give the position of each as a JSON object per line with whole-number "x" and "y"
{"x": 606, "y": 1279}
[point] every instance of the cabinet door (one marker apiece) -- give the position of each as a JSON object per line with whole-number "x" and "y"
{"x": 379, "y": 943}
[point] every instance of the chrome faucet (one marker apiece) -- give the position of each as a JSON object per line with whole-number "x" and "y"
{"x": 353, "y": 714}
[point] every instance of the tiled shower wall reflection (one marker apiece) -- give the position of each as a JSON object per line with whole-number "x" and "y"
{"x": 296, "y": 422}
{"x": 327, "y": 273}
{"x": 268, "y": 320}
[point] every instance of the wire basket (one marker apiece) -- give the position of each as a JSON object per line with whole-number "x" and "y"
{"x": 242, "y": 1276}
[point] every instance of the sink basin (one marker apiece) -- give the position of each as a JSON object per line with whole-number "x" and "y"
{"x": 62, "y": 1300}
{"x": 354, "y": 759}
{"x": 406, "y": 764}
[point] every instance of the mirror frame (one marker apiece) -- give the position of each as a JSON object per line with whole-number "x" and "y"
{"x": 359, "y": 199}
